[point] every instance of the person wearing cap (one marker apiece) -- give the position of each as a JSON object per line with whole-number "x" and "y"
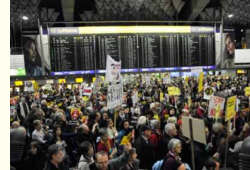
{"x": 144, "y": 148}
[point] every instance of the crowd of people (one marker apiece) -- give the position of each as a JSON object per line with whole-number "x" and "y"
{"x": 58, "y": 129}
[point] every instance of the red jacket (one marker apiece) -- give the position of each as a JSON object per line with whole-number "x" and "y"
{"x": 102, "y": 147}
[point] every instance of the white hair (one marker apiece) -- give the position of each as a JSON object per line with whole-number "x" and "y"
{"x": 154, "y": 124}
{"x": 142, "y": 120}
{"x": 169, "y": 127}
{"x": 172, "y": 120}
{"x": 217, "y": 127}
{"x": 173, "y": 143}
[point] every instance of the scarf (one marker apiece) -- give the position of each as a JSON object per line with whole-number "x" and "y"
{"x": 24, "y": 111}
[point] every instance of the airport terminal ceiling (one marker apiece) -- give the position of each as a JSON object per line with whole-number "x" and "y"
{"x": 123, "y": 10}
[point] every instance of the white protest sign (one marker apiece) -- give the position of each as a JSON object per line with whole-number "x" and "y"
{"x": 135, "y": 98}
{"x": 148, "y": 79}
{"x": 208, "y": 93}
{"x": 87, "y": 91}
{"x": 216, "y": 106}
{"x": 167, "y": 79}
{"x": 114, "y": 96}
{"x": 97, "y": 85}
{"x": 185, "y": 127}
{"x": 199, "y": 134}
{"x": 28, "y": 86}
{"x": 113, "y": 70}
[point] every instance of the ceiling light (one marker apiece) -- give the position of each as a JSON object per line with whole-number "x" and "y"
{"x": 241, "y": 30}
{"x": 230, "y": 15}
{"x": 25, "y": 18}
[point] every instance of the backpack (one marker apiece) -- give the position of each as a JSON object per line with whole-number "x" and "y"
{"x": 158, "y": 165}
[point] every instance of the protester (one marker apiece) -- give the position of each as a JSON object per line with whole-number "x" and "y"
{"x": 144, "y": 119}
{"x": 133, "y": 163}
{"x": 103, "y": 163}
{"x": 87, "y": 153}
{"x": 145, "y": 149}
{"x": 55, "y": 158}
{"x": 172, "y": 161}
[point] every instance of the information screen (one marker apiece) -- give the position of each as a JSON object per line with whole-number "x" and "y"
{"x": 135, "y": 50}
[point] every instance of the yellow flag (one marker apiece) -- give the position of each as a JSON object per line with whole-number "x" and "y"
{"x": 247, "y": 91}
{"x": 126, "y": 139}
{"x": 200, "y": 86}
{"x": 230, "y": 110}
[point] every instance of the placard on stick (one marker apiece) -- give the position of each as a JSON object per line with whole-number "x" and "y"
{"x": 198, "y": 129}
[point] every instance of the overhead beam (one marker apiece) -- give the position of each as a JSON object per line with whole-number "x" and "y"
{"x": 197, "y": 7}
{"x": 68, "y": 9}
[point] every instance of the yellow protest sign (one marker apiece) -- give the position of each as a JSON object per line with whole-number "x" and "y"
{"x": 35, "y": 84}
{"x": 161, "y": 97}
{"x": 102, "y": 77}
{"x": 174, "y": 91}
{"x": 230, "y": 110}
{"x": 189, "y": 102}
{"x": 217, "y": 111}
{"x": 247, "y": 91}
{"x": 200, "y": 85}
{"x": 186, "y": 80}
{"x": 85, "y": 98}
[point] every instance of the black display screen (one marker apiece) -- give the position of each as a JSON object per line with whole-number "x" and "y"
{"x": 88, "y": 52}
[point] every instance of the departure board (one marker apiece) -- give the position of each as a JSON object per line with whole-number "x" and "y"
{"x": 88, "y": 52}
{"x": 72, "y": 53}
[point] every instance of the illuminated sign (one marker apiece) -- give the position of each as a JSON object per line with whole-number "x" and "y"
{"x": 134, "y": 70}
{"x": 241, "y": 72}
{"x": 18, "y": 83}
{"x": 60, "y": 81}
{"x": 128, "y": 30}
{"x": 79, "y": 80}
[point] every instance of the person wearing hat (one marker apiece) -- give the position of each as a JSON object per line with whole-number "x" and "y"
{"x": 144, "y": 148}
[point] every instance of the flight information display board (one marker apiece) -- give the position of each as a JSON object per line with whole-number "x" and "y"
{"x": 139, "y": 50}
{"x": 72, "y": 53}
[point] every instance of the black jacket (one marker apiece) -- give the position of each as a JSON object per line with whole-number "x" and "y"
{"x": 50, "y": 166}
{"x": 145, "y": 151}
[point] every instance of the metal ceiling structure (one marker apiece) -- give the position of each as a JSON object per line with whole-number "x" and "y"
{"x": 124, "y": 10}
